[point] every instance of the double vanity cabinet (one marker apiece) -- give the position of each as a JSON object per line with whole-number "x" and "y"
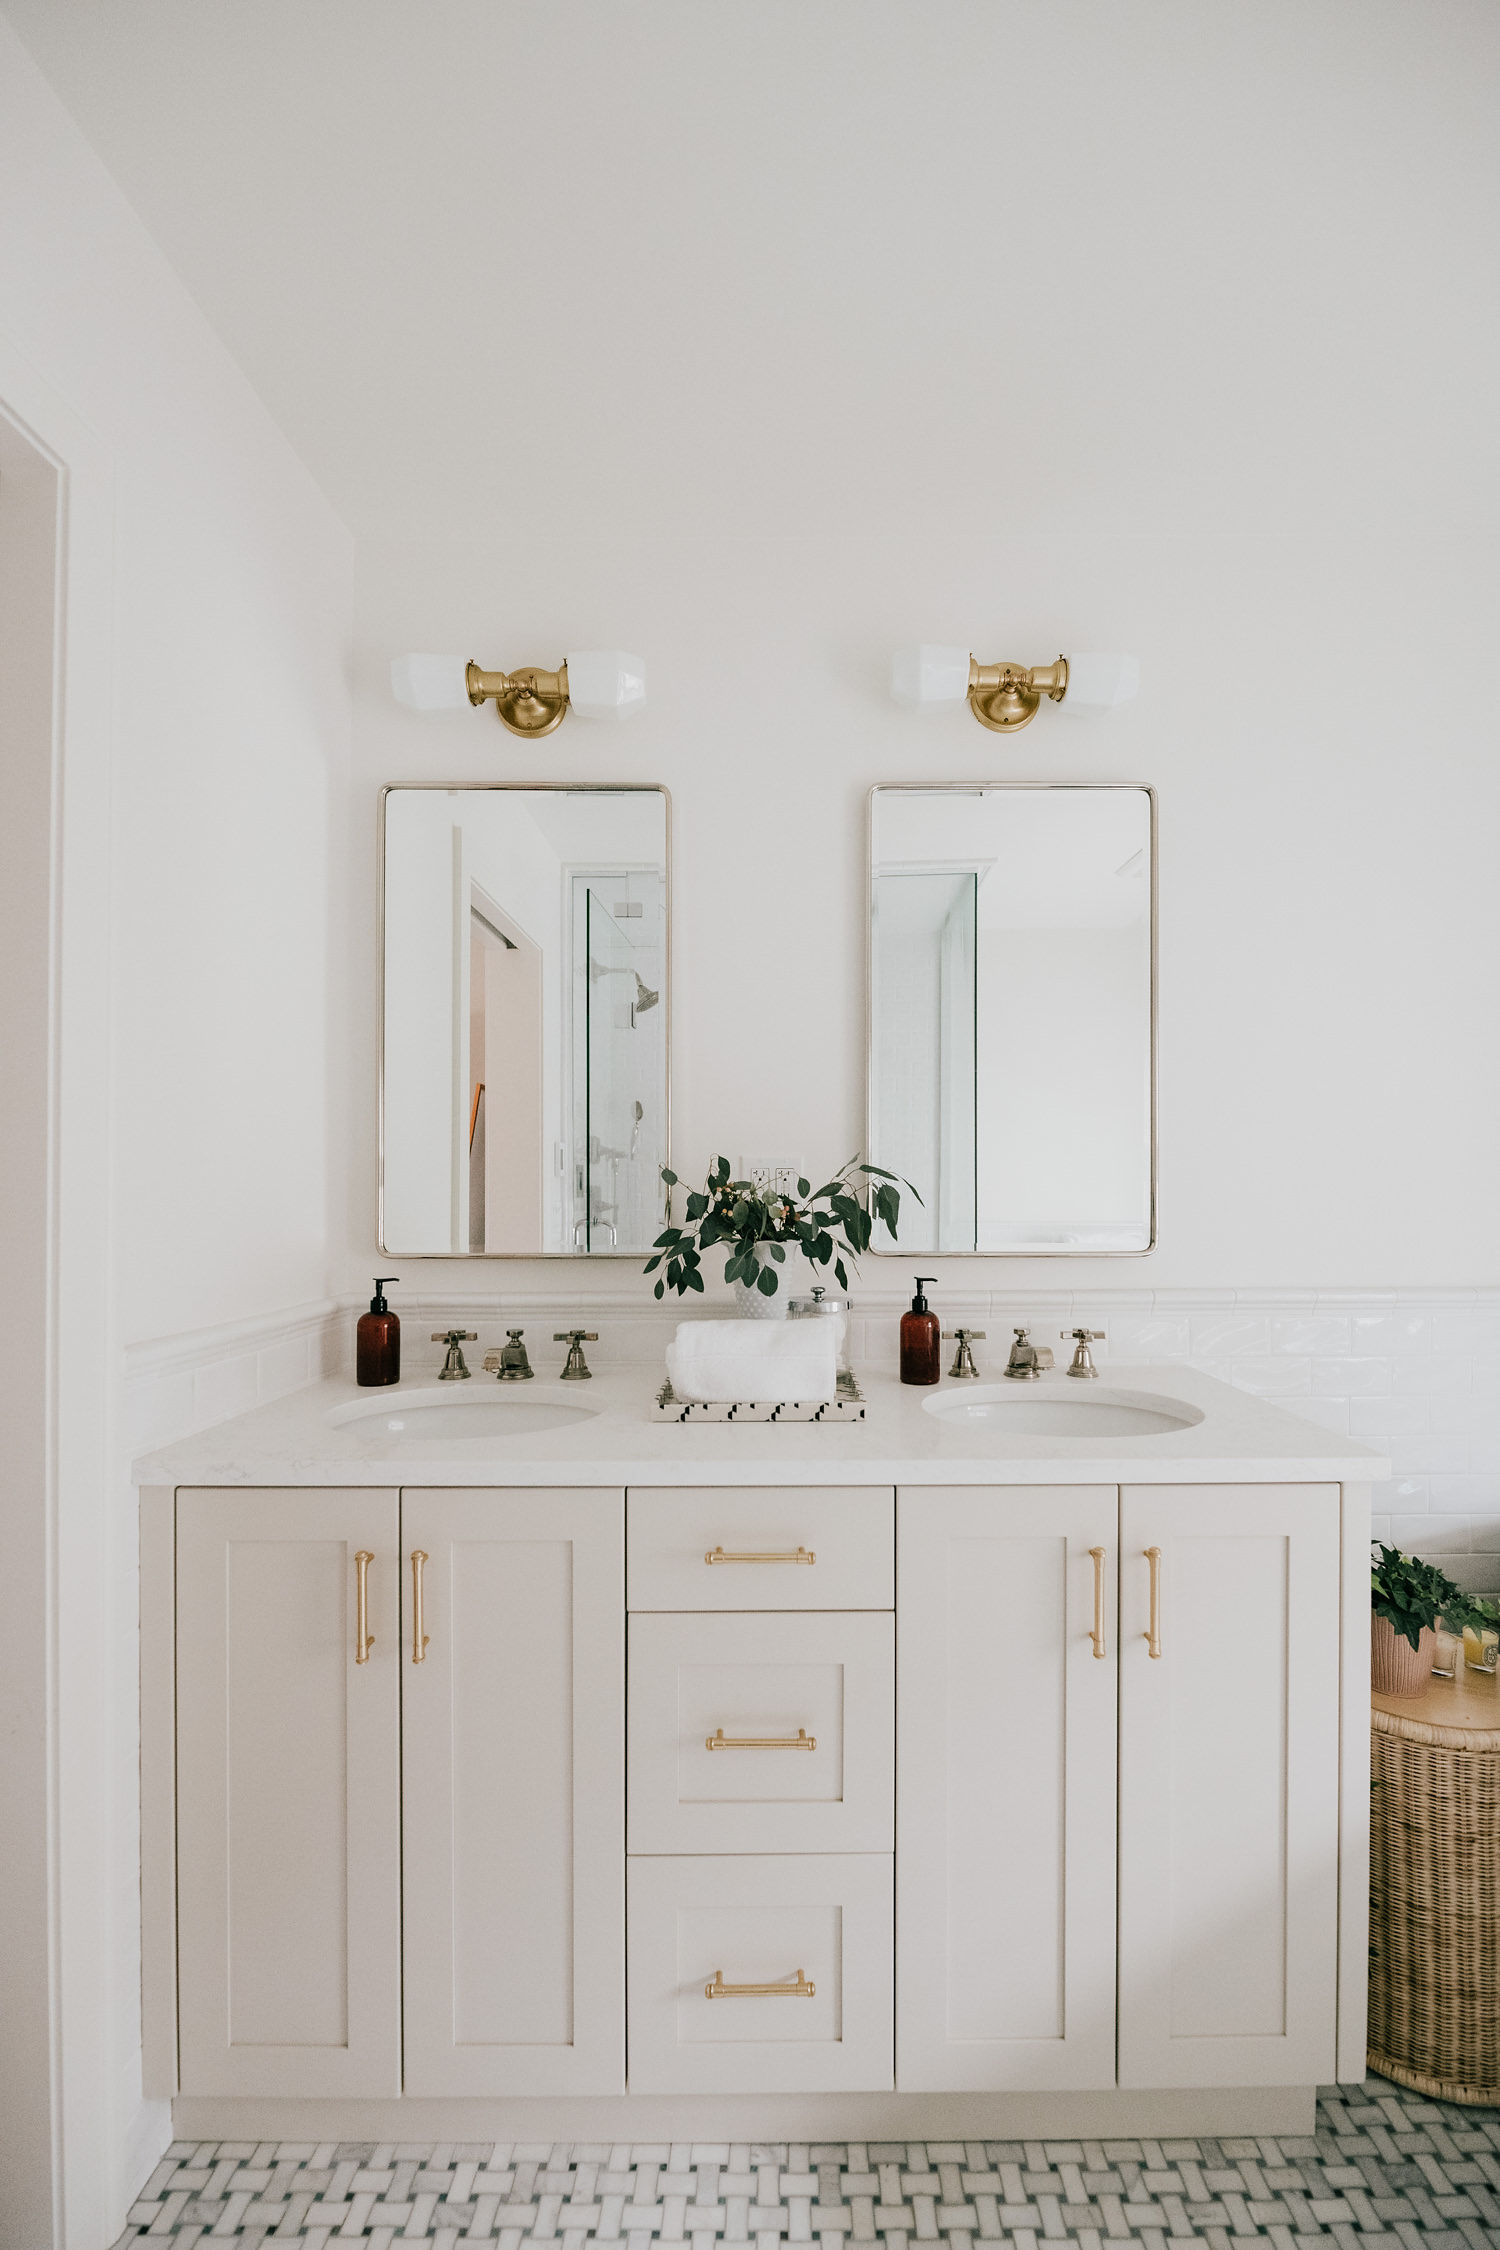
{"x": 952, "y": 1799}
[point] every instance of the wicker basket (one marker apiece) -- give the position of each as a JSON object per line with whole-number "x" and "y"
{"x": 1435, "y": 1891}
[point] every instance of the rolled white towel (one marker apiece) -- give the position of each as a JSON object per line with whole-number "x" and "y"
{"x": 762, "y": 1360}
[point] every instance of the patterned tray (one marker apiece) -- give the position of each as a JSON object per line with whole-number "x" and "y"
{"x": 848, "y": 1406}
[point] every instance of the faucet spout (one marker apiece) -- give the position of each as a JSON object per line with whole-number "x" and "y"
{"x": 1027, "y": 1360}
{"x": 510, "y": 1363}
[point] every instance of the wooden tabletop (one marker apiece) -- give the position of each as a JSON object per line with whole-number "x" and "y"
{"x": 1458, "y": 1714}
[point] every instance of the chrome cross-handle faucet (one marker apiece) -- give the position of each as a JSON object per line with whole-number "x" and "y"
{"x": 963, "y": 1358}
{"x": 453, "y": 1369}
{"x": 577, "y": 1369}
{"x": 510, "y": 1363}
{"x": 1027, "y": 1360}
{"x": 1083, "y": 1363}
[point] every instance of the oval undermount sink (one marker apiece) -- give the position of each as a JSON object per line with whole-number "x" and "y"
{"x": 434, "y": 1417}
{"x": 1028, "y": 1410}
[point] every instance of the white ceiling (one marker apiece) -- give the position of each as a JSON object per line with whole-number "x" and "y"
{"x": 761, "y": 266}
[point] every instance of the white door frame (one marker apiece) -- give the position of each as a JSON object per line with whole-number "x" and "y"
{"x": 88, "y": 1532}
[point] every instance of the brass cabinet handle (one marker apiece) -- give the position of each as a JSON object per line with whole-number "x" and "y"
{"x": 801, "y": 1740}
{"x": 1153, "y": 1632}
{"x": 419, "y": 1639}
{"x": 1097, "y": 1633}
{"x": 803, "y": 1989}
{"x": 364, "y": 1639}
{"x": 717, "y": 1554}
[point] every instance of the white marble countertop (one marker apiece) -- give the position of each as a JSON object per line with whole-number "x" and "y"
{"x": 293, "y": 1441}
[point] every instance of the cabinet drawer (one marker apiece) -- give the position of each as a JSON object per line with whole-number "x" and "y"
{"x": 757, "y": 1535}
{"x": 801, "y": 1713}
{"x": 734, "y": 1922}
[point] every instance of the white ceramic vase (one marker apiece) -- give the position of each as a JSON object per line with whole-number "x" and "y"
{"x": 751, "y": 1302}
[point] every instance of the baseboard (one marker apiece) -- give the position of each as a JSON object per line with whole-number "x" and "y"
{"x": 1113, "y": 2113}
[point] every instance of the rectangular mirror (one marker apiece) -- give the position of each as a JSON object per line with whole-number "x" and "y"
{"x": 525, "y": 1006}
{"x": 1012, "y": 1033}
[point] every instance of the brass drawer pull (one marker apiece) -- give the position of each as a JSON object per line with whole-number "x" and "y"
{"x": 419, "y": 1639}
{"x": 803, "y": 1989}
{"x": 801, "y": 1740}
{"x": 717, "y": 1554}
{"x": 364, "y": 1639}
{"x": 1097, "y": 1635}
{"x": 1153, "y": 1632}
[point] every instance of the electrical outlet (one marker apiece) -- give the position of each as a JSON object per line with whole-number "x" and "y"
{"x": 771, "y": 1179}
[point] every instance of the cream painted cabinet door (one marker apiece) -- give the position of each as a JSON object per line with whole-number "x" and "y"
{"x": 513, "y": 1733}
{"x": 288, "y": 1777}
{"x": 1229, "y": 1773}
{"x": 1005, "y": 1788}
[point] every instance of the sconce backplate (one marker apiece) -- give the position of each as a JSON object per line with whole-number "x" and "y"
{"x": 1006, "y": 707}
{"x": 527, "y": 709}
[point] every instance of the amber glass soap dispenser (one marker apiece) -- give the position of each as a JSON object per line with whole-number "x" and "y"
{"x": 377, "y": 1349}
{"x": 921, "y": 1339}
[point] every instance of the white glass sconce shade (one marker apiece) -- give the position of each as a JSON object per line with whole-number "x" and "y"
{"x": 923, "y": 677}
{"x": 1098, "y": 683}
{"x": 605, "y": 683}
{"x": 431, "y": 683}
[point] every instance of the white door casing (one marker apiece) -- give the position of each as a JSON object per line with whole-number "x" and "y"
{"x": 1229, "y": 1775}
{"x": 1005, "y": 1830}
{"x": 289, "y": 1906}
{"x": 513, "y": 1812}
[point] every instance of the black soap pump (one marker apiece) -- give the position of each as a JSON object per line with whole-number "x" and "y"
{"x": 377, "y": 1349}
{"x": 921, "y": 1340}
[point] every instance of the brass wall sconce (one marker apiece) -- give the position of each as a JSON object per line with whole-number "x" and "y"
{"x": 597, "y": 683}
{"x": 1007, "y": 696}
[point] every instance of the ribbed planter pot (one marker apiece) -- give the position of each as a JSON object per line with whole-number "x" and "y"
{"x": 1396, "y": 1668}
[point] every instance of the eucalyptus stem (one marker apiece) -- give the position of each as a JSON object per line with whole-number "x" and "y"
{"x": 826, "y": 1224}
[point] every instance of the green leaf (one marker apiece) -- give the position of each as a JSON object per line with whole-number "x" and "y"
{"x": 876, "y": 1172}
{"x": 669, "y": 1177}
{"x": 843, "y": 1278}
{"x": 651, "y": 1265}
{"x": 776, "y": 1252}
{"x": 803, "y": 1189}
{"x": 767, "y": 1282}
{"x": 695, "y": 1281}
{"x": 659, "y": 1289}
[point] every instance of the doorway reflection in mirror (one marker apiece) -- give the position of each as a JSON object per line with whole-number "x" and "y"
{"x": 524, "y": 1067}
{"x": 1012, "y": 984}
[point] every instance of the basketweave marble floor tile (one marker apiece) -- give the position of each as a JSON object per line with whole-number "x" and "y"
{"x": 1385, "y": 2167}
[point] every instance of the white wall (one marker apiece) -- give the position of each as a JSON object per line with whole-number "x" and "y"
{"x": 1328, "y": 807}
{"x": 221, "y": 935}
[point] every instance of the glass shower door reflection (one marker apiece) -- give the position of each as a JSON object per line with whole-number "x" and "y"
{"x": 622, "y": 1064}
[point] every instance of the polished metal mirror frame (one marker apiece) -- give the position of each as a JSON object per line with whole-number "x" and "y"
{"x": 531, "y": 788}
{"x": 967, "y": 788}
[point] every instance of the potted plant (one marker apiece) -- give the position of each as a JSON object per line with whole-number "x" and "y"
{"x": 823, "y": 1225}
{"x": 1407, "y": 1597}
